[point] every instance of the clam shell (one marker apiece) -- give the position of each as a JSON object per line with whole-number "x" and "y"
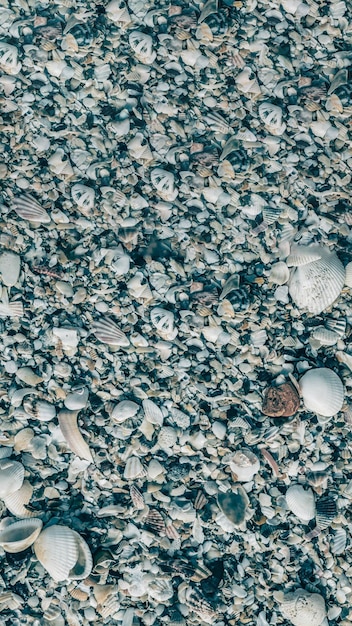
{"x": 337, "y": 325}
{"x": 234, "y": 505}
{"x": 108, "y": 332}
{"x": 301, "y": 502}
{"x": 18, "y": 536}
{"x": 315, "y": 285}
{"x": 63, "y": 553}
{"x": 325, "y": 336}
{"x": 326, "y": 511}
{"x": 11, "y": 309}
{"x": 244, "y": 464}
{"x": 302, "y": 608}
{"x": 10, "y": 266}
{"x": 322, "y": 391}
{"x": 11, "y": 477}
{"x": 279, "y": 273}
{"x": 16, "y": 502}
{"x": 301, "y": 255}
{"x": 124, "y": 410}
{"x": 29, "y": 209}
{"x": 71, "y": 432}
{"x": 152, "y": 412}
{"x": 40, "y": 410}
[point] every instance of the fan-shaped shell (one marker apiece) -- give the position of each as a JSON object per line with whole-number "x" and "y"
{"x": 271, "y": 115}
{"x": 19, "y": 535}
{"x": 301, "y": 502}
{"x": 164, "y": 182}
{"x": 325, "y": 336}
{"x": 163, "y": 320}
{"x": 133, "y": 468}
{"x": 322, "y": 391}
{"x": 302, "y": 608}
{"x": 11, "y": 477}
{"x": 29, "y": 209}
{"x": 152, "y": 412}
{"x": 245, "y": 465}
{"x": 314, "y": 285}
{"x": 339, "y": 541}
{"x": 108, "y": 332}
{"x": 348, "y": 270}
{"x": 16, "y": 502}
{"x": 326, "y": 511}
{"x": 63, "y": 553}
{"x": 337, "y": 325}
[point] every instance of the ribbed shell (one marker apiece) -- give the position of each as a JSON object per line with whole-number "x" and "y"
{"x": 325, "y": 336}
{"x": 63, "y": 553}
{"x": 29, "y": 209}
{"x": 11, "y": 477}
{"x": 124, "y": 410}
{"x": 301, "y": 502}
{"x": 339, "y": 541}
{"x": 322, "y": 391}
{"x": 108, "y": 332}
{"x": 16, "y": 502}
{"x": 315, "y": 285}
{"x": 348, "y": 269}
{"x": 303, "y": 608}
{"x": 337, "y": 325}
{"x": 326, "y": 511}
{"x": 152, "y": 412}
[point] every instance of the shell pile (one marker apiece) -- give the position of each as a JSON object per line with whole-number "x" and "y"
{"x": 175, "y": 312}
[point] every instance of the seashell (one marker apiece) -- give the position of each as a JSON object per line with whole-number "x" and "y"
{"x": 137, "y": 498}
{"x": 29, "y": 209}
{"x": 167, "y": 438}
{"x": 77, "y": 400}
{"x": 26, "y": 375}
{"x": 40, "y": 410}
{"x": 279, "y": 273}
{"x": 11, "y": 309}
{"x": 345, "y": 358}
{"x": 271, "y": 213}
{"x": 160, "y": 590}
{"x": 67, "y": 336}
{"x": 315, "y": 285}
{"x": 152, "y": 412}
{"x": 63, "y": 553}
{"x": 155, "y": 522}
{"x": 9, "y": 59}
{"x": 69, "y": 428}
{"x": 124, "y": 410}
{"x": 348, "y": 269}
{"x": 18, "y": 536}
{"x": 10, "y": 601}
{"x": 317, "y": 478}
{"x": 337, "y": 325}
{"x": 163, "y": 320}
{"x": 231, "y": 284}
{"x": 282, "y": 401}
{"x": 181, "y": 419}
{"x": 339, "y": 541}
{"x": 117, "y": 12}
{"x": 301, "y": 502}
{"x": 210, "y": 6}
{"x": 11, "y": 477}
{"x": 142, "y": 46}
{"x": 84, "y": 197}
{"x": 302, "y": 608}
{"x": 133, "y": 468}
{"x": 322, "y": 391}
{"x": 326, "y": 511}
{"x": 108, "y": 332}
{"x": 121, "y": 263}
{"x": 234, "y": 505}
{"x": 196, "y": 603}
{"x": 10, "y": 266}
{"x": 325, "y": 336}
{"x": 244, "y": 464}
{"x": 340, "y": 78}
{"x": 302, "y": 255}
{"x": 271, "y": 115}
{"x": 164, "y": 183}
{"x": 16, "y": 502}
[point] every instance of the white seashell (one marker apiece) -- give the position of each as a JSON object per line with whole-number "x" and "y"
{"x": 152, "y": 412}
{"x": 142, "y": 46}
{"x": 11, "y": 309}
{"x": 121, "y": 263}
{"x": 18, "y": 536}
{"x": 167, "y": 438}
{"x": 10, "y": 266}
{"x": 124, "y": 410}
{"x": 164, "y": 182}
{"x": 316, "y": 285}
{"x": 117, "y": 12}
{"x": 301, "y": 502}
{"x": 245, "y": 465}
{"x": 337, "y": 325}
{"x": 279, "y": 273}
{"x": 325, "y": 336}
{"x": 339, "y": 541}
{"x": 301, "y": 255}
{"x": 40, "y": 410}
{"x": 348, "y": 270}
{"x": 322, "y": 391}
{"x": 102, "y": 72}
{"x": 259, "y": 338}
{"x": 302, "y": 608}
{"x": 9, "y": 59}
{"x": 133, "y": 468}
{"x": 67, "y": 336}
{"x": 11, "y": 477}
{"x": 26, "y": 375}
{"x": 211, "y": 6}
{"x": 84, "y": 197}
{"x": 345, "y": 358}
{"x": 108, "y": 332}
{"x": 271, "y": 115}
{"x": 139, "y": 149}
{"x": 163, "y": 320}
{"x": 72, "y": 434}
{"x": 77, "y": 400}
{"x": 139, "y": 288}
{"x": 16, "y": 502}
{"x": 29, "y": 209}
{"x": 63, "y": 553}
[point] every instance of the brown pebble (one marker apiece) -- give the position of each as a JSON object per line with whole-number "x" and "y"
{"x": 282, "y": 401}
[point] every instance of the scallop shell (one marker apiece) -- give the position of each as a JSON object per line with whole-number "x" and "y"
{"x": 244, "y": 464}
{"x": 337, "y": 325}
{"x": 11, "y": 309}
{"x": 279, "y": 273}
{"x": 124, "y": 410}
{"x": 339, "y": 541}
{"x": 315, "y": 284}
{"x": 142, "y": 46}
{"x": 11, "y": 477}
{"x": 29, "y": 209}
{"x": 18, "y": 536}
{"x": 155, "y": 521}
{"x": 302, "y": 608}
{"x": 10, "y": 266}
{"x": 16, "y": 502}
{"x": 152, "y": 412}
{"x": 133, "y": 468}
{"x": 63, "y": 553}
{"x": 322, "y": 391}
{"x": 108, "y": 332}
{"x": 234, "y": 505}
{"x": 325, "y": 336}
{"x": 271, "y": 115}
{"x": 348, "y": 280}
{"x": 301, "y": 502}
{"x": 73, "y": 437}
{"x": 326, "y": 511}
{"x": 137, "y": 498}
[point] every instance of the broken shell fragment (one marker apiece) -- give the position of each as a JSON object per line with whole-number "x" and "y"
{"x": 244, "y": 464}
{"x": 72, "y": 434}
{"x": 322, "y": 391}
{"x": 282, "y": 401}
{"x": 234, "y": 505}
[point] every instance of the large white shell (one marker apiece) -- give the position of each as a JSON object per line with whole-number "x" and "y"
{"x": 244, "y": 464}
{"x": 322, "y": 391}
{"x": 10, "y": 265}
{"x": 63, "y": 553}
{"x": 29, "y": 209}
{"x": 16, "y": 502}
{"x": 19, "y": 535}
{"x": 72, "y": 434}
{"x": 11, "y": 477}
{"x": 108, "y": 332}
{"x": 301, "y": 502}
{"x": 315, "y": 285}
{"x": 302, "y": 608}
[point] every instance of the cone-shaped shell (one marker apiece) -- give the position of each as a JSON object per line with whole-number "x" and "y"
{"x": 301, "y": 502}
{"x": 302, "y": 608}
{"x": 63, "y": 553}
{"x": 71, "y": 432}
{"x": 245, "y": 465}
{"x": 20, "y": 535}
{"x": 11, "y": 477}
{"x": 315, "y": 285}
{"x": 322, "y": 391}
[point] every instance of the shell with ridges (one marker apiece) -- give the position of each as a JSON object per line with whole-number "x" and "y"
{"x": 63, "y": 553}
{"x": 108, "y": 332}
{"x": 302, "y": 608}
{"x": 16, "y": 502}
{"x": 73, "y": 437}
{"x": 301, "y": 502}
{"x": 152, "y": 412}
{"x": 11, "y": 477}
{"x": 348, "y": 280}
{"x": 325, "y": 336}
{"x": 322, "y": 391}
{"x": 19, "y": 535}
{"x": 29, "y": 209}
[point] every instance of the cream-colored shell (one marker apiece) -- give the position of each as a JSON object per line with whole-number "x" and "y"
{"x": 322, "y": 391}
{"x": 69, "y": 428}
{"x": 63, "y": 553}
{"x": 244, "y": 464}
{"x": 18, "y": 536}
{"x": 301, "y": 502}
{"x": 279, "y": 273}
{"x": 302, "y": 608}
{"x": 16, "y": 502}
{"x": 11, "y": 476}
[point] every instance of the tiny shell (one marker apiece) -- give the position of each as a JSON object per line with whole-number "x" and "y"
{"x": 72, "y": 434}
{"x": 339, "y": 541}
{"x": 163, "y": 320}
{"x": 84, "y": 197}
{"x": 18, "y": 536}
{"x": 63, "y": 553}
{"x": 108, "y": 332}
{"x": 234, "y": 505}
{"x": 11, "y": 477}
{"x": 301, "y": 502}
{"x": 282, "y": 401}
{"x": 322, "y": 391}
{"x": 164, "y": 182}
{"x": 29, "y": 209}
